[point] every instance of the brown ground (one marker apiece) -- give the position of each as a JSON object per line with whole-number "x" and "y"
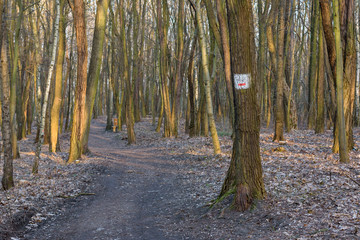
{"x": 160, "y": 189}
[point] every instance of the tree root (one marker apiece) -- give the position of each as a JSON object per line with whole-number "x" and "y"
{"x": 231, "y": 191}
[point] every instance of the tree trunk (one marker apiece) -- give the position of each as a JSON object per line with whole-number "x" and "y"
{"x": 248, "y": 183}
{"x": 95, "y": 66}
{"x": 79, "y": 114}
{"x": 313, "y": 63}
{"x": 162, "y": 27}
{"x": 279, "y": 103}
{"x": 190, "y": 76}
{"x": 344, "y": 156}
{"x": 207, "y": 80}
{"x": 179, "y": 72}
{"x": 41, "y": 116}
{"x": 14, "y": 75}
{"x": 320, "y": 113}
{"x": 129, "y": 98}
{"x": 55, "y": 109}
{"x": 7, "y": 178}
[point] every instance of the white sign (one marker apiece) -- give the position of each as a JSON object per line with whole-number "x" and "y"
{"x": 242, "y": 81}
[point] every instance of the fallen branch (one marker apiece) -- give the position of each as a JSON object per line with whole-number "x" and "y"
{"x": 77, "y": 195}
{"x": 358, "y": 183}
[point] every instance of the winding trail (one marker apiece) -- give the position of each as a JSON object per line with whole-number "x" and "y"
{"x": 137, "y": 194}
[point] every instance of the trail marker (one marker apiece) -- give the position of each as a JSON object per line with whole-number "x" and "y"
{"x": 242, "y": 81}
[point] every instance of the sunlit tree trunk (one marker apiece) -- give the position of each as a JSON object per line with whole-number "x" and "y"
{"x": 207, "y": 80}
{"x": 41, "y": 116}
{"x": 79, "y": 114}
{"x": 347, "y": 45}
{"x": 55, "y": 108}
{"x": 7, "y": 178}
{"x": 14, "y": 75}
{"x": 95, "y": 66}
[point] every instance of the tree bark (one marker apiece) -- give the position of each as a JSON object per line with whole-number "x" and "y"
{"x": 313, "y": 64}
{"x": 279, "y": 102}
{"x": 248, "y": 183}
{"x": 207, "y": 80}
{"x": 129, "y": 100}
{"x": 79, "y": 114}
{"x": 95, "y": 66}
{"x": 55, "y": 108}
{"x": 41, "y": 116}
{"x": 7, "y": 180}
{"x": 344, "y": 156}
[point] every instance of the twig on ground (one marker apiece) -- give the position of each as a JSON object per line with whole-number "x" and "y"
{"x": 77, "y": 195}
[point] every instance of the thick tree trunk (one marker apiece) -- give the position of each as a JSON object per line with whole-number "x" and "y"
{"x": 79, "y": 114}
{"x": 248, "y": 183}
{"x": 7, "y": 178}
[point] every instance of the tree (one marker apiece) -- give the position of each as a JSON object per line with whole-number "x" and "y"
{"x": 14, "y": 75}
{"x": 95, "y": 66}
{"x": 7, "y": 178}
{"x": 344, "y": 156}
{"x": 55, "y": 108}
{"x": 162, "y": 31}
{"x": 248, "y": 183}
{"x": 313, "y": 63}
{"x": 79, "y": 114}
{"x": 207, "y": 80}
{"x": 347, "y": 46}
{"x": 280, "y": 79}
{"x": 41, "y": 115}
{"x": 125, "y": 66}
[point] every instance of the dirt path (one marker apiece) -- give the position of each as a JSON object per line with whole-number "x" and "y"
{"x": 136, "y": 194}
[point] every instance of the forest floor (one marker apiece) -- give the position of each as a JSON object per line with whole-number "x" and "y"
{"x": 161, "y": 189}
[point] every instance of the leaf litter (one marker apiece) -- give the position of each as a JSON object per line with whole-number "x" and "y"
{"x": 310, "y": 195}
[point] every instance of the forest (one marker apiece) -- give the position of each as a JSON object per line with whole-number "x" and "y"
{"x": 209, "y": 119}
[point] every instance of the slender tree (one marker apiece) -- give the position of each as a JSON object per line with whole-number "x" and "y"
{"x": 55, "y": 108}
{"x": 280, "y": 79}
{"x": 207, "y": 80}
{"x": 41, "y": 116}
{"x": 344, "y": 156}
{"x": 95, "y": 66}
{"x": 129, "y": 100}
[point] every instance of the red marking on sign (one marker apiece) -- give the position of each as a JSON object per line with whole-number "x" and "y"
{"x": 242, "y": 84}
